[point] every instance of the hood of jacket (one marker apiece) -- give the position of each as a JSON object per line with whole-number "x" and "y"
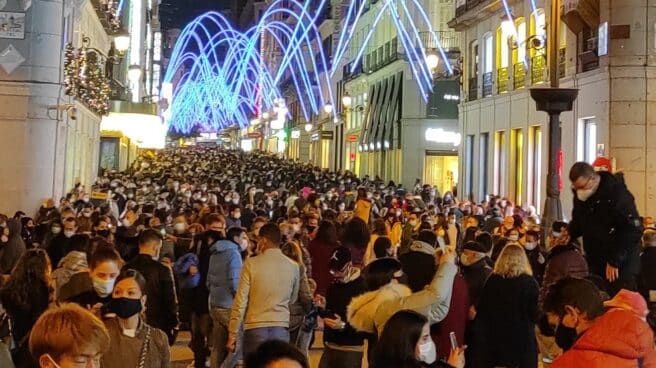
{"x": 15, "y": 228}
{"x": 423, "y": 247}
{"x": 223, "y": 246}
{"x": 361, "y": 312}
{"x": 618, "y": 333}
{"x": 74, "y": 261}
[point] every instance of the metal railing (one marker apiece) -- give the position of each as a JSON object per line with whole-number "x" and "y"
{"x": 519, "y": 75}
{"x": 449, "y": 40}
{"x": 488, "y": 80}
{"x": 538, "y": 69}
{"x": 473, "y": 89}
{"x": 502, "y": 80}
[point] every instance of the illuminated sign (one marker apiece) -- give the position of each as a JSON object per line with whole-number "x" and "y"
{"x": 439, "y": 135}
{"x": 296, "y": 134}
{"x": 147, "y": 131}
{"x": 157, "y": 46}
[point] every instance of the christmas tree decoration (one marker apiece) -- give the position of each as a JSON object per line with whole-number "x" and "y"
{"x": 85, "y": 77}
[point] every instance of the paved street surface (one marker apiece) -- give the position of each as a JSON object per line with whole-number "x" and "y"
{"x": 181, "y": 355}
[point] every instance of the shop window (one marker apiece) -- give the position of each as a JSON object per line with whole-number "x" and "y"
{"x": 469, "y": 167}
{"x": 441, "y": 170}
{"x": 484, "y": 161}
{"x": 535, "y": 168}
{"x": 500, "y": 163}
{"x": 587, "y": 140}
{"x": 517, "y": 175}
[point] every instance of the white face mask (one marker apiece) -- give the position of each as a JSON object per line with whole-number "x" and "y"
{"x": 180, "y": 227}
{"x": 428, "y": 352}
{"x": 103, "y": 287}
{"x": 4, "y": 238}
{"x": 530, "y": 245}
{"x": 513, "y": 238}
{"x": 56, "y": 230}
{"x": 297, "y": 228}
{"x": 235, "y": 201}
{"x": 584, "y": 194}
{"x": 69, "y": 233}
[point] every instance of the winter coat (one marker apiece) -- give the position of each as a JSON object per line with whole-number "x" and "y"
{"x": 618, "y": 339}
{"x": 232, "y": 222}
{"x": 537, "y": 260}
{"x": 304, "y": 304}
{"x": 647, "y": 280}
{"x": 610, "y": 226}
{"x": 11, "y": 251}
{"x": 124, "y": 351}
{"x": 507, "y": 312}
{"x": 320, "y": 253}
{"x": 58, "y": 247}
{"x": 338, "y": 297}
{"x": 73, "y": 263}
{"x": 181, "y": 269}
{"x": 370, "y": 311}
{"x": 562, "y": 261}
{"x": 161, "y": 304}
{"x": 476, "y": 276}
{"x": 223, "y": 274}
{"x": 419, "y": 265}
{"x": 455, "y": 321}
{"x": 362, "y": 209}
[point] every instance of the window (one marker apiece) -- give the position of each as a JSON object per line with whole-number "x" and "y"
{"x": 504, "y": 32}
{"x": 469, "y": 167}
{"x": 500, "y": 164}
{"x": 519, "y": 42}
{"x": 483, "y": 155}
{"x": 474, "y": 59}
{"x": 587, "y": 140}
{"x": 538, "y": 29}
{"x": 517, "y": 156}
{"x": 488, "y": 49}
{"x": 535, "y": 167}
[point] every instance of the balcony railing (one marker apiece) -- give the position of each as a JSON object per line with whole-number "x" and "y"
{"x": 519, "y": 75}
{"x": 502, "y": 80}
{"x": 487, "y": 84}
{"x": 538, "y": 69}
{"x": 449, "y": 40}
{"x": 473, "y": 88}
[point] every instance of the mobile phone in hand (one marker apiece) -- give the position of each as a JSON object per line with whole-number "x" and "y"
{"x": 454, "y": 340}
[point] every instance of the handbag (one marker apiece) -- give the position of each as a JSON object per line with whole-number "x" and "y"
{"x": 144, "y": 349}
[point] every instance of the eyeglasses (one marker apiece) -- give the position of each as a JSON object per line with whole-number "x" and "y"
{"x": 584, "y": 186}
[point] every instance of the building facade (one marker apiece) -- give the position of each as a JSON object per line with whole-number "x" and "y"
{"x": 389, "y": 131}
{"x": 603, "y": 52}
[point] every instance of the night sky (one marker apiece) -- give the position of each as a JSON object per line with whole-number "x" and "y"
{"x": 177, "y": 13}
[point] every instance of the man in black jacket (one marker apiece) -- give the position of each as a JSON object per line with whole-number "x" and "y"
{"x": 162, "y": 304}
{"x": 605, "y": 215}
{"x": 343, "y": 344}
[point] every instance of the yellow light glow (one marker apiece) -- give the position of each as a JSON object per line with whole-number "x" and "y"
{"x": 147, "y": 131}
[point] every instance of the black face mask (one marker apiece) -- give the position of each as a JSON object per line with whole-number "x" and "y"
{"x": 103, "y": 233}
{"x": 565, "y": 337}
{"x": 123, "y": 307}
{"x": 310, "y": 228}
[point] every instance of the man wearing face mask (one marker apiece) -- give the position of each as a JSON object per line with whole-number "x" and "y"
{"x": 535, "y": 256}
{"x": 60, "y": 244}
{"x": 618, "y": 337}
{"x": 162, "y": 304}
{"x": 605, "y": 215}
{"x": 234, "y": 219}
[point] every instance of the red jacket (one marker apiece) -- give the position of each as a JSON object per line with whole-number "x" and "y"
{"x": 617, "y": 339}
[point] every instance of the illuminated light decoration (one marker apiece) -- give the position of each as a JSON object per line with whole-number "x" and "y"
{"x": 296, "y": 134}
{"x": 247, "y": 145}
{"x": 336, "y": 120}
{"x": 266, "y": 116}
{"x": 371, "y": 146}
{"x": 122, "y": 42}
{"x": 378, "y": 145}
{"x": 439, "y": 135}
{"x": 347, "y": 101}
{"x": 226, "y": 80}
{"x": 328, "y": 108}
{"x": 432, "y": 61}
{"x": 255, "y": 121}
{"x": 387, "y": 145}
{"x": 402, "y": 16}
{"x": 136, "y": 42}
{"x": 308, "y": 127}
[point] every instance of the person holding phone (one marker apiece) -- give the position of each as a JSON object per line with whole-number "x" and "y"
{"x": 343, "y": 345}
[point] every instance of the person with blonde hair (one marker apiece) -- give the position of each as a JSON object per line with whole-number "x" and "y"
{"x": 507, "y": 312}
{"x": 66, "y": 336}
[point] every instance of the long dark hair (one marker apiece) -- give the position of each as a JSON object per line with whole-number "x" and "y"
{"x": 396, "y": 347}
{"x": 30, "y": 285}
{"x": 356, "y": 233}
{"x": 327, "y": 233}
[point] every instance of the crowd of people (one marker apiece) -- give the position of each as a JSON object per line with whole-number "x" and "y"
{"x": 254, "y": 254}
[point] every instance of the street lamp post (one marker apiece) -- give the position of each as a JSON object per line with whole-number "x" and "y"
{"x": 553, "y": 101}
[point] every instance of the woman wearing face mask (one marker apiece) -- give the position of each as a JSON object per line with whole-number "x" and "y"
{"x": 406, "y": 343}
{"x": 54, "y": 229}
{"x": 25, "y": 296}
{"x": 93, "y": 288}
{"x": 535, "y": 255}
{"x": 133, "y": 343}
{"x": 507, "y": 312}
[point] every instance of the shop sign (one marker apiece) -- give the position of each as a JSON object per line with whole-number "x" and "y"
{"x": 352, "y": 138}
{"x": 296, "y": 134}
{"x": 315, "y": 136}
{"x": 438, "y": 135}
{"x": 327, "y": 134}
{"x": 254, "y": 135}
{"x": 99, "y": 196}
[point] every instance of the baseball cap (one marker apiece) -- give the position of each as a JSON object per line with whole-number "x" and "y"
{"x": 339, "y": 258}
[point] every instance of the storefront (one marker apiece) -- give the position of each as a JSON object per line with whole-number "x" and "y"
{"x": 320, "y": 142}
{"x": 352, "y": 157}
{"x": 441, "y": 158}
{"x": 293, "y": 151}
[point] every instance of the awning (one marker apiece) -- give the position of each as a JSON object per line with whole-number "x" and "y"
{"x": 379, "y": 117}
{"x": 368, "y": 117}
{"x": 392, "y": 134}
